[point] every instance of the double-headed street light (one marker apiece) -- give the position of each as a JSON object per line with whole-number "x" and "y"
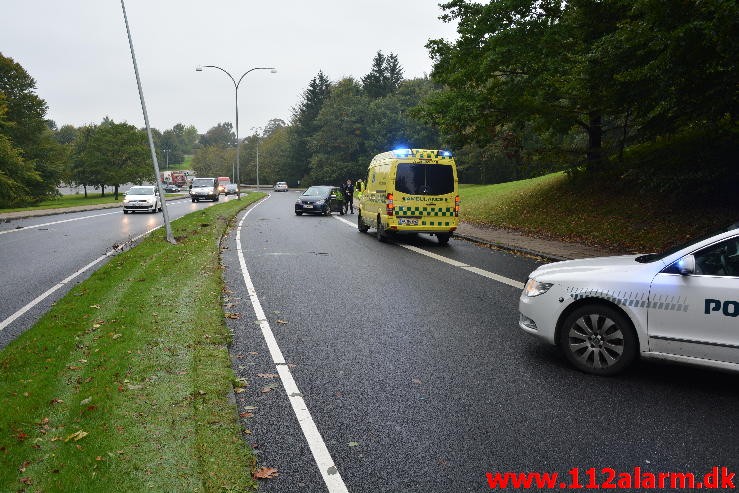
{"x": 236, "y": 89}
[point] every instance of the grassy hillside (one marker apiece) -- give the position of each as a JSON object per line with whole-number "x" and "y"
{"x": 553, "y": 206}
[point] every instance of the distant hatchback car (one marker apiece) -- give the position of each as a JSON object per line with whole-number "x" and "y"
{"x": 320, "y": 199}
{"x": 281, "y": 186}
{"x": 142, "y": 198}
{"x": 171, "y": 188}
{"x": 680, "y": 305}
{"x": 231, "y": 189}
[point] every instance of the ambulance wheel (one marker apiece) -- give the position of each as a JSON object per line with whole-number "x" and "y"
{"x": 443, "y": 238}
{"x": 598, "y": 339}
{"x": 380, "y": 231}
{"x": 363, "y": 228}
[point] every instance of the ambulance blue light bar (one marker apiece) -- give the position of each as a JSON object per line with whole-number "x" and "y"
{"x": 443, "y": 153}
{"x": 402, "y": 152}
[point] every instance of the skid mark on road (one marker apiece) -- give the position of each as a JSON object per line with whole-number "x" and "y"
{"x": 454, "y": 263}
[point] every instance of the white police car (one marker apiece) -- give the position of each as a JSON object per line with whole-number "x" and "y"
{"x": 603, "y": 313}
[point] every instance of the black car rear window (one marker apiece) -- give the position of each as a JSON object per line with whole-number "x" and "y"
{"x": 424, "y": 179}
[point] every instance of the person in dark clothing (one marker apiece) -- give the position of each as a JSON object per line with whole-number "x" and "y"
{"x": 348, "y": 191}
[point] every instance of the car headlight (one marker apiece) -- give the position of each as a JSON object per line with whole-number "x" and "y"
{"x": 535, "y": 288}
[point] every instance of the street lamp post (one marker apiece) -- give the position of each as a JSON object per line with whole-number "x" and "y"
{"x": 166, "y": 153}
{"x": 236, "y": 90}
{"x": 257, "y": 131}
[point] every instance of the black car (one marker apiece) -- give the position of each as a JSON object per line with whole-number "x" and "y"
{"x": 320, "y": 199}
{"x": 171, "y": 188}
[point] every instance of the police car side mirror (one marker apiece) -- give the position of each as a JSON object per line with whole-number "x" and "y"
{"x": 686, "y": 265}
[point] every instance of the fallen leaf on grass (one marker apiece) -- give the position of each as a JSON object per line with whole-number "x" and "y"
{"x": 239, "y": 390}
{"x": 26, "y": 481}
{"x": 77, "y": 436}
{"x": 23, "y": 467}
{"x": 265, "y": 473}
{"x": 95, "y": 306}
{"x": 56, "y": 401}
{"x": 20, "y": 436}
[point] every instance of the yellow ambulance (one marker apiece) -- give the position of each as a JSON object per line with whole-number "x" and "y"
{"x": 411, "y": 191}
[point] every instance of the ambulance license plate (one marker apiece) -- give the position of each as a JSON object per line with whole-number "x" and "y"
{"x": 408, "y": 221}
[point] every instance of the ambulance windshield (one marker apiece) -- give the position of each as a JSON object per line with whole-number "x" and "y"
{"x": 424, "y": 179}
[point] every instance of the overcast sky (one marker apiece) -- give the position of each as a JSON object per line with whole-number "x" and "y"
{"x": 78, "y": 53}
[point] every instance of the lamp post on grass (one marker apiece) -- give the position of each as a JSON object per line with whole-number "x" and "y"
{"x": 236, "y": 90}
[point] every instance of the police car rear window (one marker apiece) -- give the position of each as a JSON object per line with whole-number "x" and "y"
{"x": 424, "y": 179}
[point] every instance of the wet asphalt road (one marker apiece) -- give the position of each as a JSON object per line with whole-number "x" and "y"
{"x": 38, "y": 253}
{"x": 419, "y": 380}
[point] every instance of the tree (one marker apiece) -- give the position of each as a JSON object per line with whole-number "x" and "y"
{"x": 303, "y": 126}
{"x": 214, "y": 161}
{"x": 117, "y": 153}
{"x": 221, "y": 135}
{"x": 521, "y": 62}
{"x": 25, "y": 110}
{"x": 27, "y": 132}
{"x": 338, "y": 147}
{"x": 384, "y": 77}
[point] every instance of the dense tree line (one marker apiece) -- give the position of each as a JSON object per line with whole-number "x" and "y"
{"x": 638, "y": 91}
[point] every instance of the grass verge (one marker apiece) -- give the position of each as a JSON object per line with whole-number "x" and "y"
{"x": 555, "y": 207}
{"x": 124, "y": 384}
{"x": 74, "y": 200}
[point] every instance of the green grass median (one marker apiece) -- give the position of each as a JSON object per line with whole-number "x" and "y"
{"x": 124, "y": 384}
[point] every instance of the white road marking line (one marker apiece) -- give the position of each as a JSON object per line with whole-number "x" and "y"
{"x": 64, "y": 281}
{"x": 455, "y": 263}
{"x": 28, "y": 228}
{"x": 321, "y": 455}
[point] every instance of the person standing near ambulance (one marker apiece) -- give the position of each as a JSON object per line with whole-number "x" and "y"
{"x": 348, "y": 191}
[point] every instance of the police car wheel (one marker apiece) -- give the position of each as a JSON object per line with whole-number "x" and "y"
{"x": 598, "y": 339}
{"x": 298, "y": 213}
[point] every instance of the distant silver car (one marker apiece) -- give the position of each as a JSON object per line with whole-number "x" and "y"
{"x": 232, "y": 189}
{"x": 281, "y": 186}
{"x": 142, "y": 198}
